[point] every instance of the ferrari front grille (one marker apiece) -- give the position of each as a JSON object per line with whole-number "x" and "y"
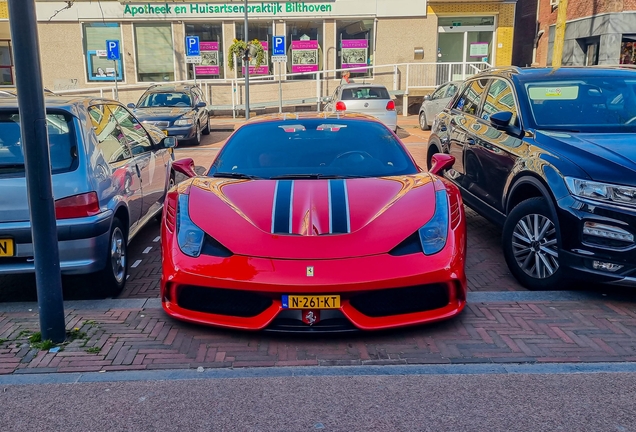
{"x": 244, "y": 304}
{"x": 399, "y": 301}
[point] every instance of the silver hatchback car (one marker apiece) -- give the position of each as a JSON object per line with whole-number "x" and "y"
{"x": 371, "y": 99}
{"x": 110, "y": 177}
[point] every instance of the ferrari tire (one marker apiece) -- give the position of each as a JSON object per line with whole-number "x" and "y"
{"x": 531, "y": 244}
{"x": 423, "y": 122}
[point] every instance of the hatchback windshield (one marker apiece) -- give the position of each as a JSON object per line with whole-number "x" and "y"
{"x": 365, "y": 93}
{"x": 61, "y": 143}
{"x": 313, "y": 148}
{"x": 587, "y": 104}
{"x": 165, "y": 100}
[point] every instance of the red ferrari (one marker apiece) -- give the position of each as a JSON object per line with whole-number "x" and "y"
{"x": 317, "y": 222}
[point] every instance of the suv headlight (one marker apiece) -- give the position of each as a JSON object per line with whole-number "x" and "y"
{"x": 189, "y": 236}
{"x": 605, "y": 192}
{"x": 433, "y": 235}
{"x": 183, "y": 122}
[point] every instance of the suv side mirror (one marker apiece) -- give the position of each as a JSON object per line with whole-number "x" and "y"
{"x": 441, "y": 162}
{"x": 131, "y": 105}
{"x": 501, "y": 121}
{"x": 201, "y": 104}
{"x": 169, "y": 142}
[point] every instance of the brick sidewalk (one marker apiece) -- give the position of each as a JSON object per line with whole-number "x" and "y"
{"x": 593, "y": 330}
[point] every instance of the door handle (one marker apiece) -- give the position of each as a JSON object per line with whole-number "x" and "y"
{"x": 138, "y": 171}
{"x": 470, "y": 141}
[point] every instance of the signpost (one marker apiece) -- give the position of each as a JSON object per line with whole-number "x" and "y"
{"x": 37, "y": 165}
{"x": 193, "y": 54}
{"x": 279, "y": 51}
{"x": 113, "y": 53}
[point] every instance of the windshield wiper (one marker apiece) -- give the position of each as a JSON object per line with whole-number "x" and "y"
{"x": 235, "y": 175}
{"x": 315, "y": 177}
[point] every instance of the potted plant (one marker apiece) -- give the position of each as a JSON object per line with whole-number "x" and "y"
{"x": 238, "y": 48}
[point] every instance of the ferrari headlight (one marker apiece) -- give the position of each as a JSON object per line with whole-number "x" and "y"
{"x": 433, "y": 235}
{"x": 183, "y": 122}
{"x": 189, "y": 236}
{"x": 616, "y": 194}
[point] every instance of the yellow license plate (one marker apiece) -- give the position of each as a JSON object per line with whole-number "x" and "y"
{"x": 311, "y": 302}
{"x": 165, "y": 132}
{"x": 6, "y": 248}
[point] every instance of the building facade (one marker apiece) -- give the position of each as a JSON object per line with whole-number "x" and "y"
{"x": 368, "y": 37}
{"x": 597, "y": 32}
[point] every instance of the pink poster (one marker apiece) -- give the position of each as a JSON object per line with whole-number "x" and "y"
{"x": 304, "y": 56}
{"x": 262, "y": 69}
{"x": 209, "y": 59}
{"x": 355, "y": 54}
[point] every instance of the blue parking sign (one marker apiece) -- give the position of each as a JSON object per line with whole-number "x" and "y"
{"x": 192, "y": 46}
{"x": 279, "y": 48}
{"x": 112, "y": 49}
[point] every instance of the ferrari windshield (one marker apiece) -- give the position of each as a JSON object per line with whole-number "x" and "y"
{"x": 586, "y": 104}
{"x": 313, "y": 148}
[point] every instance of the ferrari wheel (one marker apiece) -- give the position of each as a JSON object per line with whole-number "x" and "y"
{"x": 531, "y": 245}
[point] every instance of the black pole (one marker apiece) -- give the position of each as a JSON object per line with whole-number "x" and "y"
{"x": 28, "y": 72}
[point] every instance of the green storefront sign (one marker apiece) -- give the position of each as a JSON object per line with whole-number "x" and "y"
{"x": 206, "y": 9}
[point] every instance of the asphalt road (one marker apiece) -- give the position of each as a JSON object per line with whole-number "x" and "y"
{"x": 552, "y": 402}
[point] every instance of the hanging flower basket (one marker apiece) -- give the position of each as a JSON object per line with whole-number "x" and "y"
{"x": 238, "y": 48}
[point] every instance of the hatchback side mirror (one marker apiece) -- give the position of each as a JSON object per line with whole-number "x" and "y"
{"x": 441, "y": 162}
{"x": 427, "y": 97}
{"x": 326, "y": 99}
{"x": 131, "y": 105}
{"x": 185, "y": 167}
{"x": 169, "y": 142}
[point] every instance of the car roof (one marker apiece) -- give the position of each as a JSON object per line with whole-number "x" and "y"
{"x": 159, "y": 88}
{"x": 284, "y": 117}
{"x": 565, "y": 72}
{"x": 69, "y": 103}
{"x": 358, "y": 85}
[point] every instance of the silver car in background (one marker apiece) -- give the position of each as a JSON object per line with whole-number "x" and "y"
{"x": 370, "y": 99}
{"x": 436, "y": 102}
{"x": 109, "y": 178}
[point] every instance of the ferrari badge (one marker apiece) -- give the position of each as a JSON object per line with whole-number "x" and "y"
{"x": 310, "y": 271}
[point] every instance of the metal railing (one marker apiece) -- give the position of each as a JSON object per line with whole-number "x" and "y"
{"x": 305, "y": 88}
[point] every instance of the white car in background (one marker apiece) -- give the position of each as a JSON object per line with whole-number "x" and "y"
{"x": 370, "y": 99}
{"x": 436, "y": 102}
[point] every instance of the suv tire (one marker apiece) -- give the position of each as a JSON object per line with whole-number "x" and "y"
{"x": 531, "y": 243}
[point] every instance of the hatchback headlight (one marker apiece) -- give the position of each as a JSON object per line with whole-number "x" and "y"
{"x": 189, "y": 236}
{"x": 183, "y": 122}
{"x": 433, "y": 235}
{"x": 606, "y": 192}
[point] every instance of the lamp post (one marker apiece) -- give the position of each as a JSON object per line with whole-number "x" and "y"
{"x": 246, "y": 62}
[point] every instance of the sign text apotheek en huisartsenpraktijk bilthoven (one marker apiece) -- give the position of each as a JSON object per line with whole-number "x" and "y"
{"x": 153, "y": 9}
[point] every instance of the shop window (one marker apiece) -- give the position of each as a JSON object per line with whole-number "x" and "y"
{"x": 261, "y": 31}
{"x": 6, "y": 63}
{"x": 305, "y": 53}
{"x": 211, "y": 44}
{"x": 355, "y": 46}
{"x": 155, "y": 52}
{"x": 628, "y": 50}
{"x": 98, "y": 67}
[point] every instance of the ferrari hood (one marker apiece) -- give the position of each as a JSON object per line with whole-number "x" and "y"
{"x": 312, "y": 219}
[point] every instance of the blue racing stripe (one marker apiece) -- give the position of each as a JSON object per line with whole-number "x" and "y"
{"x": 339, "y": 207}
{"x": 282, "y": 214}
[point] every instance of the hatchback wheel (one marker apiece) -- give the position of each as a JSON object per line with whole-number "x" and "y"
{"x": 197, "y": 135}
{"x": 114, "y": 274}
{"x": 423, "y": 122}
{"x": 531, "y": 241}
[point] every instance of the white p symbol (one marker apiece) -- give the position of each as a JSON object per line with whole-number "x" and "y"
{"x": 112, "y": 46}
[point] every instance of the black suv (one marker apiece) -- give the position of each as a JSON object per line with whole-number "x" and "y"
{"x": 177, "y": 109}
{"x": 551, "y": 156}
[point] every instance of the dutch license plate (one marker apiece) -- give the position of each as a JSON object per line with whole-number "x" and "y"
{"x": 311, "y": 302}
{"x": 6, "y": 248}
{"x": 165, "y": 132}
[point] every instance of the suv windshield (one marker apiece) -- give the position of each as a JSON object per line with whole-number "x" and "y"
{"x": 313, "y": 148}
{"x": 61, "y": 143}
{"x": 365, "y": 93}
{"x": 165, "y": 100}
{"x": 590, "y": 104}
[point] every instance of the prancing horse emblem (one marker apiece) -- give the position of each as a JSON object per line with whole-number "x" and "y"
{"x": 310, "y": 271}
{"x": 310, "y": 318}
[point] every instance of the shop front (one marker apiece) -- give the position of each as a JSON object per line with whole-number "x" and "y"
{"x": 369, "y": 38}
